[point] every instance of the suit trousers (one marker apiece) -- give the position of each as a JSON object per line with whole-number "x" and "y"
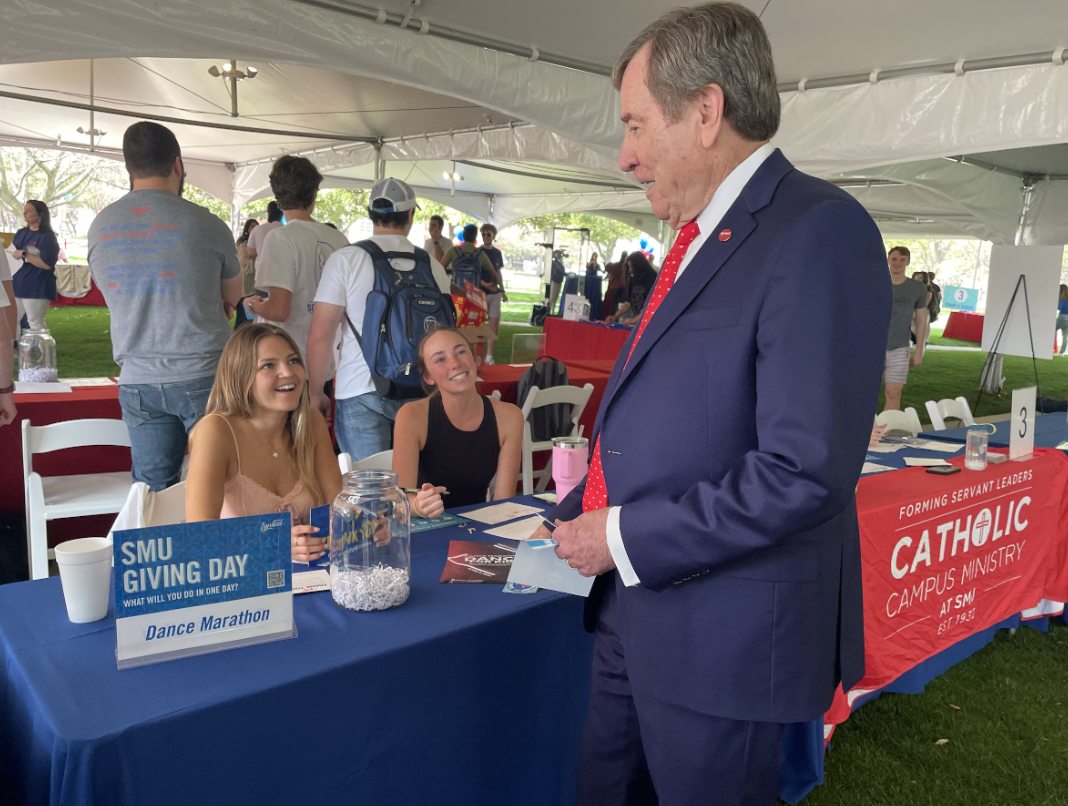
{"x": 637, "y": 751}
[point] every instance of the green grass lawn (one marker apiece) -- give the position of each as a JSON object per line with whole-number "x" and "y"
{"x": 1006, "y": 742}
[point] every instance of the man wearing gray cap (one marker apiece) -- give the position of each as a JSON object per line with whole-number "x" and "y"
{"x": 364, "y": 421}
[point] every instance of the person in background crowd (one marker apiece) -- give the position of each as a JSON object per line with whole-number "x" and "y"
{"x": 921, "y": 277}
{"x": 262, "y": 448}
{"x": 616, "y": 282}
{"x": 1062, "y": 317}
{"x": 557, "y": 273}
{"x": 437, "y": 244}
{"x": 364, "y": 421}
{"x": 7, "y": 359}
{"x": 494, "y": 300}
{"x": 292, "y": 257}
{"x": 488, "y": 280}
{"x": 910, "y": 311}
{"x": 455, "y": 439}
{"x": 248, "y": 271}
{"x": 35, "y": 281}
{"x": 258, "y": 235}
{"x": 170, "y": 310}
{"x": 640, "y": 278}
{"x": 591, "y": 288}
{"x": 6, "y": 285}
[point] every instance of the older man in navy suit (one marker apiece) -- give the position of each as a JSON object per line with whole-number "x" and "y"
{"x": 718, "y": 511}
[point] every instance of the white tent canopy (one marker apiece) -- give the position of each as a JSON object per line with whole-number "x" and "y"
{"x": 875, "y": 95}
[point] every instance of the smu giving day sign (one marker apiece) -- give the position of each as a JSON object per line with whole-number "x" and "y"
{"x": 947, "y": 556}
{"x": 197, "y": 587}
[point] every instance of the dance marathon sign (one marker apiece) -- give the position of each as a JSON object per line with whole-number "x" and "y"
{"x": 946, "y": 556}
{"x": 194, "y": 588}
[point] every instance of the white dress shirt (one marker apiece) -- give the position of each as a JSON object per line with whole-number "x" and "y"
{"x": 707, "y": 220}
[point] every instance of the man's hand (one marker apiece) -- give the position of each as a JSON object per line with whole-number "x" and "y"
{"x": 583, "y": 542}
{"x": 322, "y": 403}
{"x": 917, "y": 359}
{"x": 7, "y": 410}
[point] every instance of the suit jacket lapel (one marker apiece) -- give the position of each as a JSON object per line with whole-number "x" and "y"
{"x": 702, "y": 268}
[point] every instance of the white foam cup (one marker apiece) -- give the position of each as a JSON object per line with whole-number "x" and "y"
{"x": 85, "y": 572}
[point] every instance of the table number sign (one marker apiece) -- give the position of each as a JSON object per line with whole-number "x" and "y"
{"x": 1022, "y": 433}
{"x": 955, "y": 298}
{"x": 194, "y": 588}
{"x": 576, "y": 308}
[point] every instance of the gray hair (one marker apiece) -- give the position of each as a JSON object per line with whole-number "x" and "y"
{"x": 717, "y": 43}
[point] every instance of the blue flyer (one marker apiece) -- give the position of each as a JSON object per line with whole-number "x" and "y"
{"x": 190, "y": 588}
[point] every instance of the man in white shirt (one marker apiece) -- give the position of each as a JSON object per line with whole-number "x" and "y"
{"x": 437, "y": 244}
{"x": 292, "y": 257}
{"x": 364, "y": 421}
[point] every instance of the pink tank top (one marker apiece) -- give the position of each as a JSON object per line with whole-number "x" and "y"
{"x": 242, "y": 496}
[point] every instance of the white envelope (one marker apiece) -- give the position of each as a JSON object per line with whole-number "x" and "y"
{"x": 543, "y": 569}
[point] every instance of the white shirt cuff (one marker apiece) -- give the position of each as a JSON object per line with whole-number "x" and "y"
{"x": 618, "y": 550}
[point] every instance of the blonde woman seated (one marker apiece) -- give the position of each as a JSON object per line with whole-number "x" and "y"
{"x": 261, "y": 448}
{"x": 456, "y": 439}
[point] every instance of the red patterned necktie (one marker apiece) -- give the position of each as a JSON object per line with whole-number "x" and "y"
{"x": 595, "y": 495}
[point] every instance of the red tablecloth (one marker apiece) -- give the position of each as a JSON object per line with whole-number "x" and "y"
{"x": 964, "y": 326}
{"x": 945, "y": 557}
{"x": 604, "y": 365}
{"x": 84, "y": 402}
{"x": 505, "y": 377}
{"x": 570, "y": 341}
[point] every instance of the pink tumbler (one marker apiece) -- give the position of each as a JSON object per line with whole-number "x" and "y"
{"x": 570, "y": 459}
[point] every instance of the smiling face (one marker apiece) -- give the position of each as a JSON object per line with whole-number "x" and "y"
{"x": 29, "y": 213}
{"x": 660, "y": 153}
{"x": 450, "y": 364}
{"x": 898, "y": 263}
{"x": 279, "y": 377}
{"x": 487, "y": 238}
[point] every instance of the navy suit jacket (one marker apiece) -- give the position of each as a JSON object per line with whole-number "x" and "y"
{"x": 733, "y": 440}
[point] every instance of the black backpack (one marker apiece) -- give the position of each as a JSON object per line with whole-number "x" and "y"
{"x": 402, "y": 307}
{"x": 548, "y": 421}
{"x": 467, "y": 268}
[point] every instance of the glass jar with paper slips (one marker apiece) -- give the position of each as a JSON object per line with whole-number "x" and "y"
{"x": 37, "y": 357}
{"x": 370, "y": 542}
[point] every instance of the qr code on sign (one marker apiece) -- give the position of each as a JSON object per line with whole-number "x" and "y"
{"x": 276, "y": 579}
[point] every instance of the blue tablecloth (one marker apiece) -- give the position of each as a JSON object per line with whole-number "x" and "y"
{"x": 1050, "y": 431}
{"x": 896, "y": 460}
{"x": 464, "y": 695}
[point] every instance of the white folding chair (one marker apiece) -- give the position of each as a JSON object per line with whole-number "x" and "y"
{"x": 894, "y": 420}
{"x": 379, "y": 461}
{"x": 957, "y": 409}
{"x": 144, "y": 508}
{"x": 536, "y": 398}
{"x": 56, "y": 497}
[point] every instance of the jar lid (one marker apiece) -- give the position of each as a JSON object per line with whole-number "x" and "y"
{"x": 370, "y": 479}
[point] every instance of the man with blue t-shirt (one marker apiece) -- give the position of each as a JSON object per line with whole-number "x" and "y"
{"x": 169, "y": 273}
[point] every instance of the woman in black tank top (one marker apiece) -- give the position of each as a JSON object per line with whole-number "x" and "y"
{"x": 455, "y": 440}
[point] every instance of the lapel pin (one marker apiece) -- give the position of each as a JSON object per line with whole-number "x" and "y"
{"x": 725, "y": 235}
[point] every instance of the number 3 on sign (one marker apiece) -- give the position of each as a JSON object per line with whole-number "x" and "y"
{"x": 1022, "y": 435}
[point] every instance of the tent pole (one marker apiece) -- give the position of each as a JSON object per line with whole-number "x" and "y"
{"x": 1028, "y": 196}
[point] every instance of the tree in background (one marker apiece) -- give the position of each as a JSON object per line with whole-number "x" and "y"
{"x": 205, "y": 199}
{"x": 605, "y": 233}
{"x": 58, "y": 178}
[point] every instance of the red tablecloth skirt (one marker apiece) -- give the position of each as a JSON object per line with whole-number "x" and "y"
{"x": 505, "y": 378}
{"x": 964, "y": 326}
{"x": 568, "y": 341}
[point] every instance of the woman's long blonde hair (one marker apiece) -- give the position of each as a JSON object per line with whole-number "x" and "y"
{"x": 231, "y": 395}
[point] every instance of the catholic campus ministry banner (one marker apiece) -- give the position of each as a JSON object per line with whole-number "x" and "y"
{"x": 944, "y": 557}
